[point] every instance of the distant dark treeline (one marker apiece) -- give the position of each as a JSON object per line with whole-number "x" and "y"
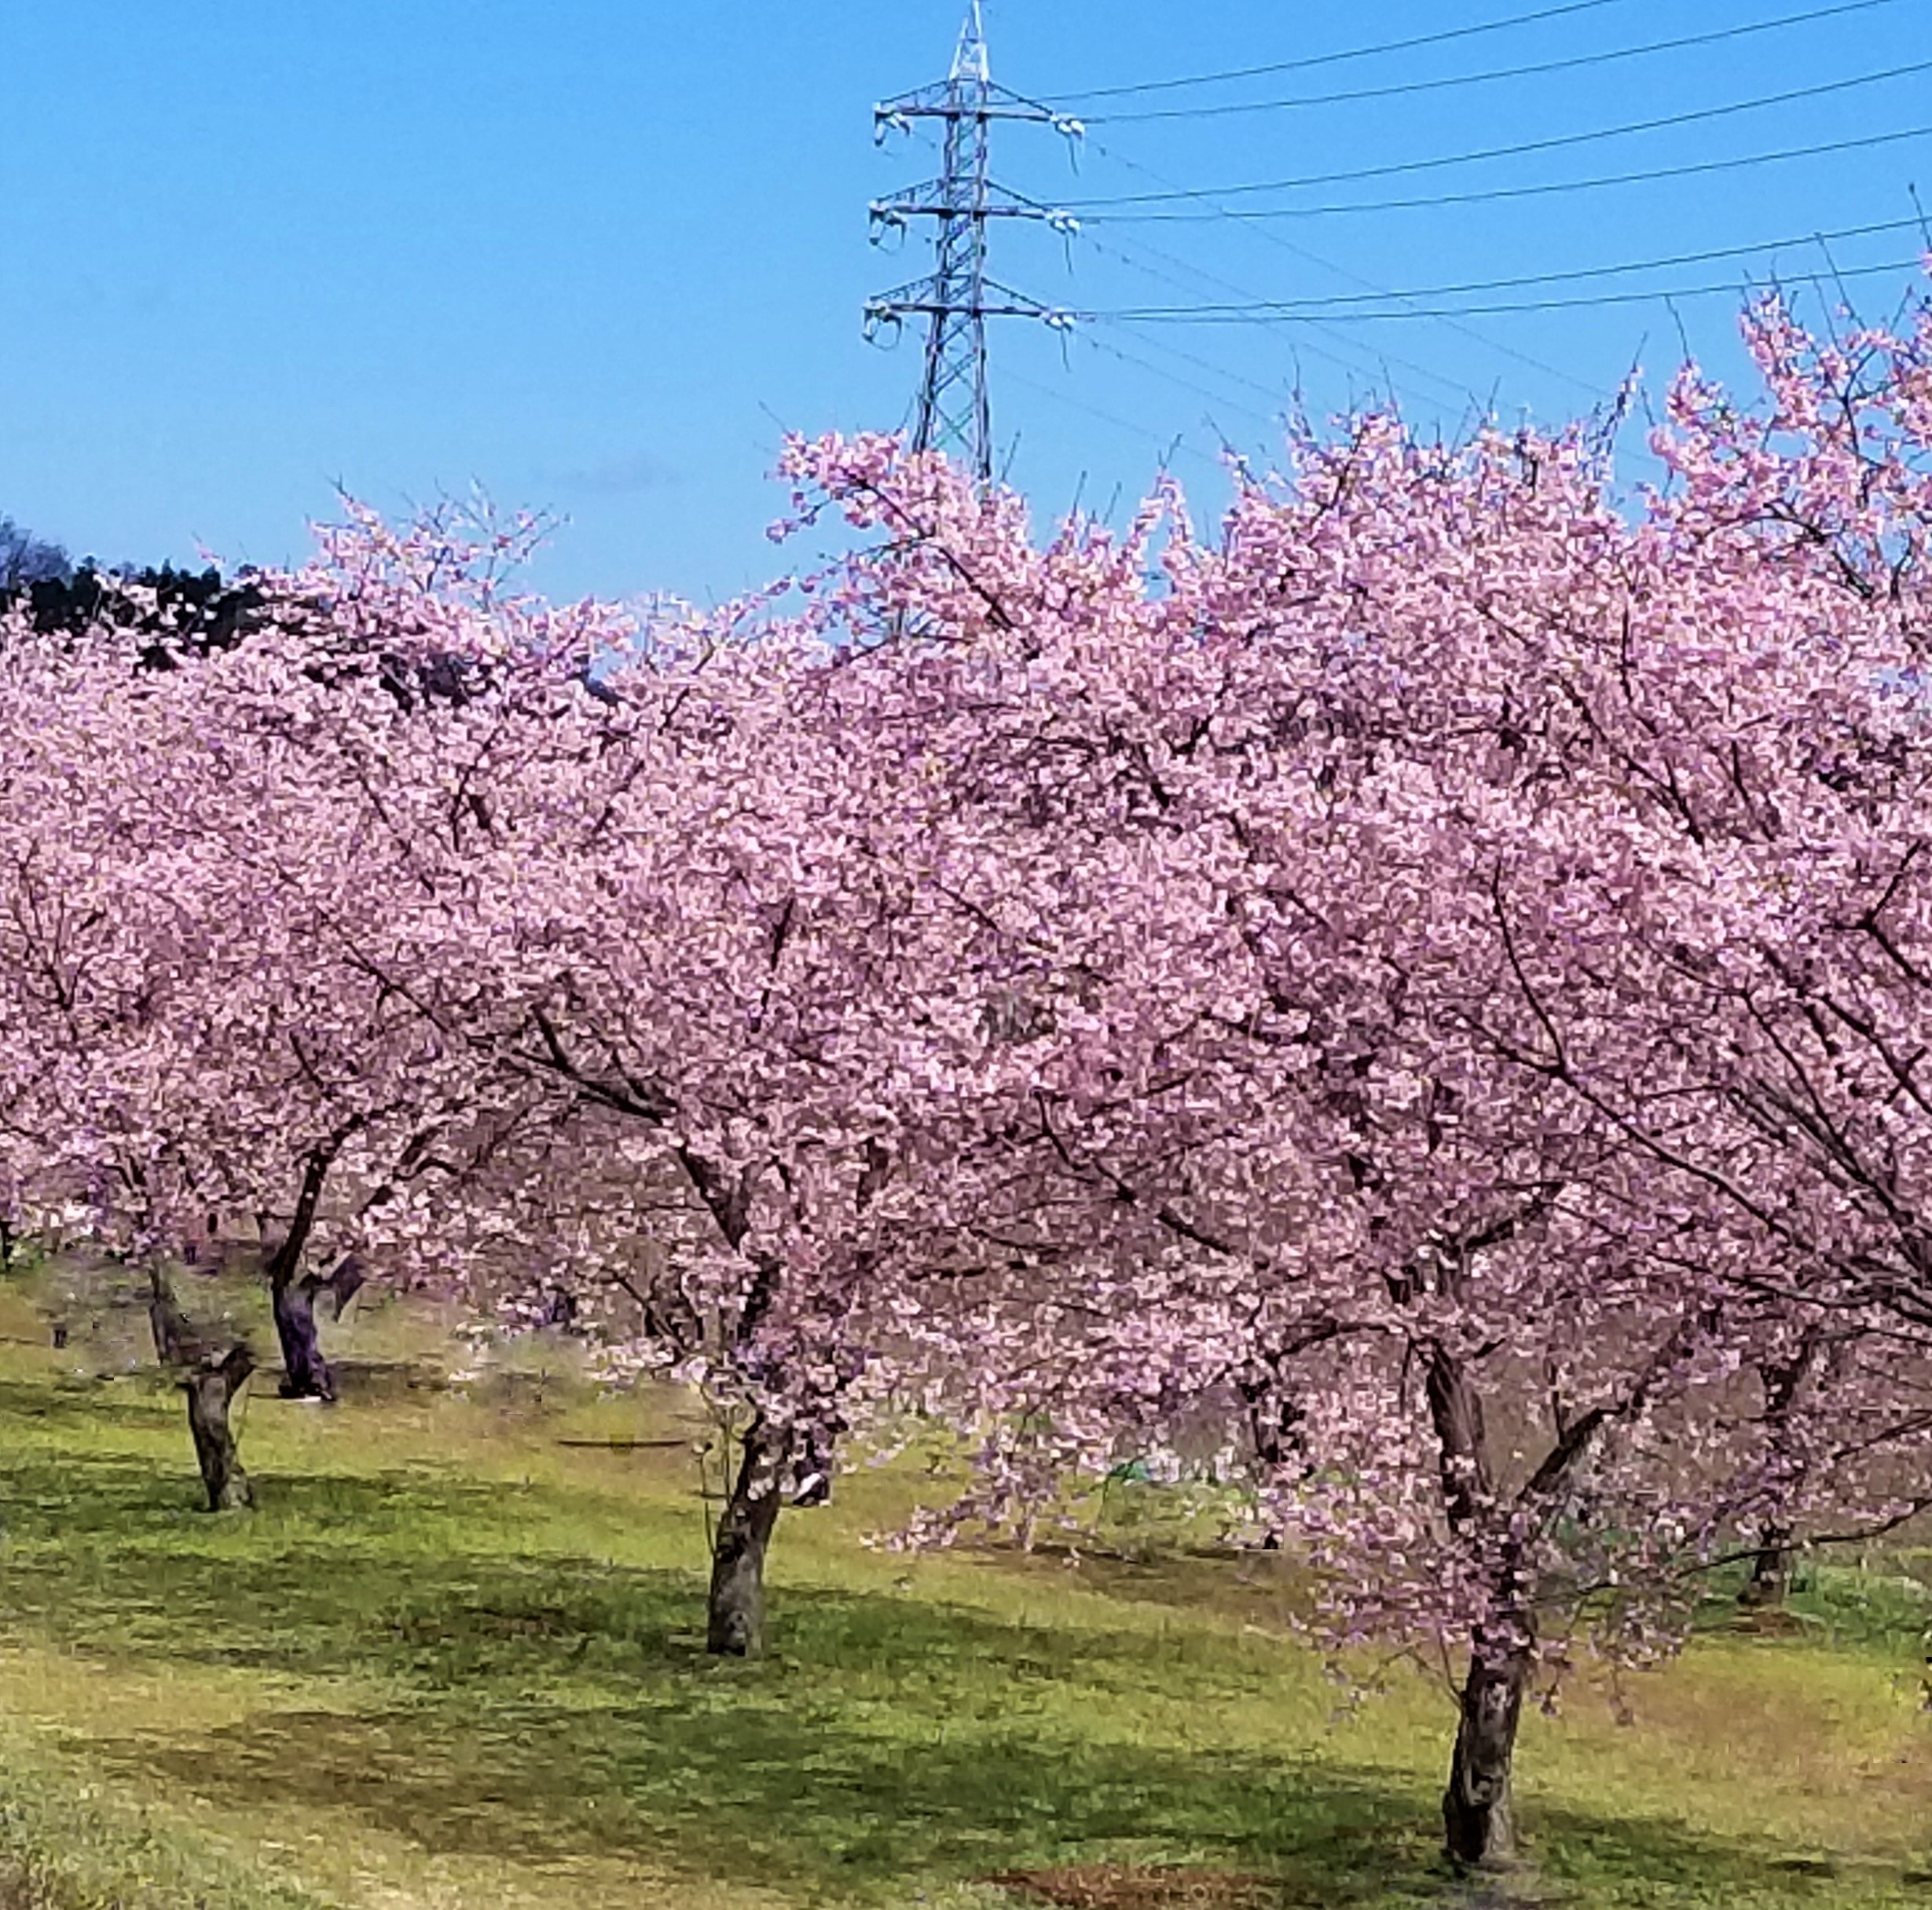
{"x": 197, "y": 609}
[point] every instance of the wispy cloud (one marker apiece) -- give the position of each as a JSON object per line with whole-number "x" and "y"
{"x": 617, "y": 476}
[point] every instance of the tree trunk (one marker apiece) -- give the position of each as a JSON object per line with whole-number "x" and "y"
{"x": 305, "y": 1374}
{"x": 174, "y": 1338}
{"x": 1770, "y": 1572}
{"x": 349, "y": 1278}
{"x": 1813, "y": 1363}
{"x": 736, "y": 1616}
{"x": 211, "y": 1389}
{"x": 813, "y": 1469}
{"x": 1478, "y": 1815}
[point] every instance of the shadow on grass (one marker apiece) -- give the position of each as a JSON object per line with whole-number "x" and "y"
{"x": 546, "y": 1709}
{"x": 732, "y": 1787}
{"x": 1266, "y": 1588}
{"x": 733, "y": 1783}
{"x": 85, "y": 1404}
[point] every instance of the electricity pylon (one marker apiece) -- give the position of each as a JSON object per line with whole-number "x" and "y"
{"x": 954, "y": 413}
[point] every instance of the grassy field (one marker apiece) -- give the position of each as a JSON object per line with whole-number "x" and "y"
{"x": 451, "y": 1662}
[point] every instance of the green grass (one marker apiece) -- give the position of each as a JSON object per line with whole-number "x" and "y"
{"x": 64, "y": 1845}
{"x": 450, "y": 1662}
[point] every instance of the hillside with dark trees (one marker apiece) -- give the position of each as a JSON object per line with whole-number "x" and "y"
{"x": 200, "y": 609}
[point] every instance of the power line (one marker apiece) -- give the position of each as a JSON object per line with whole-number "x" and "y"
{"x": 1205, "y": 365}
{"x": 1231, "y": 315}
{"x": 1106, "y": 417}
{"x": 1487, "y": 194}
{"x": 1213, "y": 370}
{"x": 1473, "y": 406}
{"x": 1352, "y": 53}
{"x": 1326, "y": 304}
{"x": 1375, "y": 366}
{"x": 1351, "y": 365}
{"x": 1185, "y": 384}
{"x": 1539, "y": 69}
{"x": 1302, "y": 252}
{"x": 1555, "y": 142}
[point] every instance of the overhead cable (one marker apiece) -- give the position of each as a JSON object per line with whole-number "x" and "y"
{"x": 1485, "y": 194}
{"x": 1187, "y": 384}
{"x": 1555, "y": 142}
{"x": 1351, "y": 52}
{"x": 1302, "y": 252}
{"x": 1138, "y": 432}
{"x": 1266, "y": 314}
{"x": 1327, "y": 303}
{"x": 1381, "y": 361}
{"x": 1379, "y": 366}
{"x": 1537, "y": 69}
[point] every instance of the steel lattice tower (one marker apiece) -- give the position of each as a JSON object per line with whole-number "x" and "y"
{"x": 953, "y": 413}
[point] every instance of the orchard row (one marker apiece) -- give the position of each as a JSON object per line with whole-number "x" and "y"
{"x": 1416, "y": 1008}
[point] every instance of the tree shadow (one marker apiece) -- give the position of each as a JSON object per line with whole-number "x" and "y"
{"x": 84, "y": 1404}
{"x": 712, "y": 1776}
{"x": 547, "y": 1709}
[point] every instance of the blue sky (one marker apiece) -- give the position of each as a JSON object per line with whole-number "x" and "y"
{"x": 595, "y": 254}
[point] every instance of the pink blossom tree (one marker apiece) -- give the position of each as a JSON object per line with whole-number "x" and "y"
{"x": 1298, "y": 872}
{"x": 199, "y": 931}
{"x": 1770, "y": 723}
{"x": 586, "y": 938}
{"x": 702, "y": 943}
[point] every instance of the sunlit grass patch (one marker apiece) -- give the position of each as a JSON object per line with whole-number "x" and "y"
{"x": 454, "y": 1661}
{"x": 67, "y": 1842}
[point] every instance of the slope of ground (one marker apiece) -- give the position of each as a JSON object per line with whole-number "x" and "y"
{"x": 452, "y": 1661}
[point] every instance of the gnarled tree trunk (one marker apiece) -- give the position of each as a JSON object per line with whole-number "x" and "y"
{"x": 212, "y": 1388}
{"x": 736, "y": 1623}
{"x": 1478, "y": 1820}
{"x": 174, "y": 1337}
{"x": 305, "y": 1373}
